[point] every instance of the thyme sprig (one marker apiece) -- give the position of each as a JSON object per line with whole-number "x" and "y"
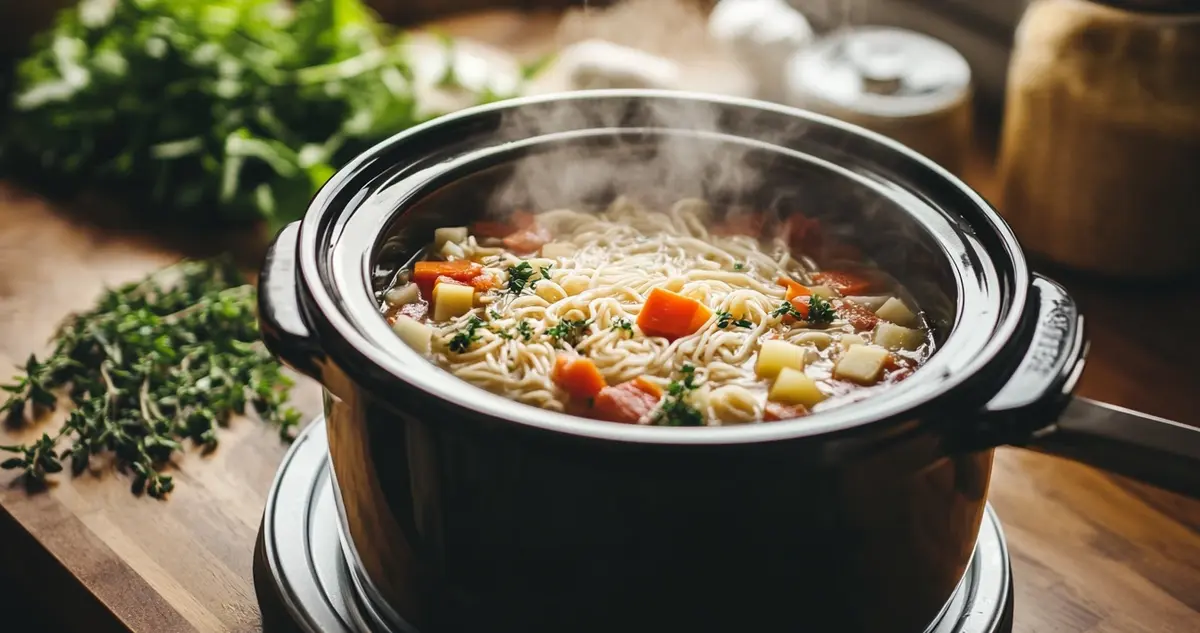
{"x": 157, "y": 362}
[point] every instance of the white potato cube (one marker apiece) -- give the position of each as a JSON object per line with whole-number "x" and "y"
{"x": 895, "y": 311}
{"x": 415, "y": 334}
{"x": 862, "y": 364}
{"x": 451, "y": 234}
{"x": 452, "y": 300}
{"x": 894, "y": 337}
{"x": 403, "y": 295}
{"x": 850, "y": 340}
{"x": 775, "y": 355}
{"x": 795, "y": 387}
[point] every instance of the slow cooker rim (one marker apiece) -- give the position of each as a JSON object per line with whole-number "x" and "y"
{"x": 325, "y": 310}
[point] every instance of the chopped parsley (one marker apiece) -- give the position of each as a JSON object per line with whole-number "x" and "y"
{"x": 545, "y": 271}
{"x": 504, "y": 334}
{"x": 519, "y": 278}
{"x": 787, "y": 309}
{"x": 568, "y": 331}
{"x": 675, "y": 410}
{"x": 725, "y": 319}
{"x": 525, "y": 330}
{"x": 621, "y": 323}
{"x": 820, "y": 310}
{"x": 467, "y": 336}
{"x": 739, "y": 266}
{"x": 494, "y": 315}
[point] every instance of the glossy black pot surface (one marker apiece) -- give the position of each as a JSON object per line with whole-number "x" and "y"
{"x": 467, "y": 512}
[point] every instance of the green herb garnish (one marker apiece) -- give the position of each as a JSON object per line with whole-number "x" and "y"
{"x": 725, "y": 319}
{"x": 467, "y": 336}
{"x": 525, "y": 330}
{"x": 156, "y": 362}
{"x": 545, "y": 271}
{"x": 820, "y": 310}
{"x": 675, "y": 410}
{"x": 787, "y": 309}
{"x": 739, "y": 266}
{"x": 494, "y": 315}
{"x": 621, "y": 323}
{"x": 519, "y": 278}
{"x": 568, "y": 331}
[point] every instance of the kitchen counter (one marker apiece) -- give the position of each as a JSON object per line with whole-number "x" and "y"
{"x": 1093, "y": 552}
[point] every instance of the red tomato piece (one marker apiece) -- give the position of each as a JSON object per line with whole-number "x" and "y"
{"x": 627, "y": 403}
{"x": 527, "y": 240}
{"x": 859, "y": 316}
{"x": 845, "y": 283}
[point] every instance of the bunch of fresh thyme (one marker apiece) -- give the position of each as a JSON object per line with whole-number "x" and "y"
{"x": 155, "y": 363}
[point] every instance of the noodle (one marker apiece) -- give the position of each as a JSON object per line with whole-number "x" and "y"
{"x": 588, "y": 302}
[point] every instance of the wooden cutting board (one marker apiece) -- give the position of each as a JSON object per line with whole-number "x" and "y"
{"x": 1092, "y": 552}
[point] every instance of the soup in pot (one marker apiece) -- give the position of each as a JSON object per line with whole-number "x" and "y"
{"x": 662, "y": 317}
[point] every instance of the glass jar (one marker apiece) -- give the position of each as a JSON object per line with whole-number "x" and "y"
{"x": 1100, "y": 156}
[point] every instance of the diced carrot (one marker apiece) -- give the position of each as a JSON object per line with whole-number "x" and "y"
{"x": 627, "y": 403}
{"x": 776, "y": 412}
{"x": 484, "y": 282}
{"x": 578, "y": 376}
{"x": 643, "y": 383}
{"x": 527, "y": 240}
{"x": 794, "y": 288}
{"x": 426, "y": 274}
{"x": 859, "y": 316}
{"x": 801, "y": 305}
{"x": 844, "y": 282}
{"x": 671, "y": 315}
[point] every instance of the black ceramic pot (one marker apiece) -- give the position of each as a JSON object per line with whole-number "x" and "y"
{"x": 466, "y": 512}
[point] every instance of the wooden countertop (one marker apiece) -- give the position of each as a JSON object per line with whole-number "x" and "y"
{"x": 1092, "y": 552}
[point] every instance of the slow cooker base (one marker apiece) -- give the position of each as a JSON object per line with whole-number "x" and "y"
{"x": 305, "y": 584}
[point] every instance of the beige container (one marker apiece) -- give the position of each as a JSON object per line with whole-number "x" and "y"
{"x": 905, "y": 85}
{"x": 1100, "y": 157}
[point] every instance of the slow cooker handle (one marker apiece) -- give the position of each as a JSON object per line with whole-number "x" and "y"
{"x": 1035, "y": 408}
{"x": 281, "y": 320}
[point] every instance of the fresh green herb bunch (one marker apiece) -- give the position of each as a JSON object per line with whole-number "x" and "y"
{"x": 820, "y": 310}
{"x": 238, "y": 109}
{"x": 568, "y": 331}
{"x": 155, "y": 363}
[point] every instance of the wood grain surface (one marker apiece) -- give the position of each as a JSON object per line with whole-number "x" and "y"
{"x": 1093, "y": 552}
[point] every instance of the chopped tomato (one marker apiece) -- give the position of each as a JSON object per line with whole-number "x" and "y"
{"x": 859, "y": 316}
{"x": 426, "y": 274}
{"x": 844, "y": 282}
{"x": 527, "y": 240}
{"x": 578, "y": 376}
{"x": 671, "y": 315}
{"x": 794, "y": 288}
{"x": 800, "y": 304}
{"x": 628, "y": 402}
{"x": 776, "y": 412}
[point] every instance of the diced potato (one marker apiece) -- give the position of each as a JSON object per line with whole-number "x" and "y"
{"x": 776, "y": 355}
{"x": 794, "y": 387}
{"x": 451, "y": 234}
{"x": 894, "y": 337}
{"x": 850, "y": 340}
{"x": 559, "y": 250}
{"x": 895, "y": 311}
{"x": 452, "y": 251}
{"x": 402, "y": 295}
{"x": 416, "y": 334}
{"x": 820, "y": 340}
{"x": 824, "y": 292}
{"x": 862, "y": 364}
{"x": 575, "y": 284}
{"x": 452, "y": 300}
{"x": 550, "y": 291}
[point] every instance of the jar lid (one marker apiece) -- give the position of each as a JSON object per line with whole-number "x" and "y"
{"x": 879, "y": 71}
